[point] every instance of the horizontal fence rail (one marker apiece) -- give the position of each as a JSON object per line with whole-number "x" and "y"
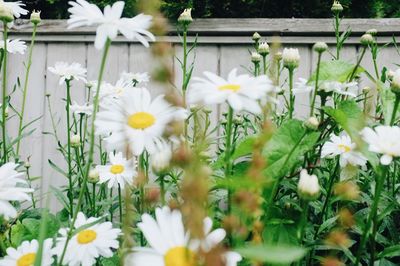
{"x": 223, "y": 44}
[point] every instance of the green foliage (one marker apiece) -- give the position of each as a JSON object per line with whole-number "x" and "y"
{"x": 273, "y": 254}
{"x": 335, "y": 71}
{"x": 56, "y": 9}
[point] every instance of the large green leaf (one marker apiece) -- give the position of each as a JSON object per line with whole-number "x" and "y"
{"x": 336, "y": 70}
{"x": 287, "y": 147}
{"x": 273, "y": 254}
{"x": 388, "y": 98}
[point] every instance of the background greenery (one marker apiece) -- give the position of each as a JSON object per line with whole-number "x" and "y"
{"x": 242, "y": 8}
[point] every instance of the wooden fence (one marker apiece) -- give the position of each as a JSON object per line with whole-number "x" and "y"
{"x": 222, "y": 45}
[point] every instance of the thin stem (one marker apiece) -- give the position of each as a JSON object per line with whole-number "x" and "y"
{"x": 69, "y": 159}
{"x": 303, "y": 221}
{"x": 162, "y": 188}
{"x": 4, "y": 101}
{"x": 120, "y": 203}
{"x": 358, "y": 63}
{"x": 30, "y": 186}
{"x": 372, "y": 218}
{"x": 25, "y": 89}
{"x": 316, "y": 85}
{"x": 395, "y": 107}
{"x": 337, "y": 34}
{"x": 228, "y": 151}
{"x": 291, "y": 96}
{"x": 91, "y": 150}
{"x": 265, "y": 64}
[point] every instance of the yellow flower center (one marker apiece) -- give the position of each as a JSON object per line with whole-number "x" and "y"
{"x": 86, "y": 236}
{"x": 229, "y": 87}
{"x": 26, "y": 260}
{"x": 141, "y": 120}
{"x": 117, "y": 169}
{"x": 180, "y": 256}
{"x": 345, "y": 148}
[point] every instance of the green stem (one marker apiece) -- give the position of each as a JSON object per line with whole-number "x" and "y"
{"x": 323, "y": 103}
{"x": 162, "y": 188}
{"x": 303, "y": 221}
{"x": 395, "y": 107}
{"x": 316, "y": 85}
{"x": 70, "y": 189}
{"x": 358, "y": 63}
{"x": 291, "y": 96}
{"x": 91, "y": 149}
{"x": 228, "y": 151}
{"x": 372, "y": 218}
{"x": 337, "y": 34}
{"x": 265, "y": 64}
{"x": 120, "y": 204}
{"x": 4, "y": 102}
{"x": 25, "y": 89}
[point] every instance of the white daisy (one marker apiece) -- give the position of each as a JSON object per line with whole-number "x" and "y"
{"x": 240, "y": 91}
{"x": 25, "y": 254}
{"x": 301, "y": 86}
{"x": 136, "y": 78}
{"x": 119, "y": 172}
{"x": 308, "y": 186}
{"x": 111, "y": 92}
{"x": 16, "y": 8}
{"x": 161, "y": 158}
{"x": 137, "y": 120}
{"x": 69, "y": 71}
{"x": 342, "y": 145}
{"x": 110, "y": 23}
{"x": 170, "y": 245}
{"x": 383, "y": 140}
{"x": 14, "y": 46}
{"x": 10, "y": 191}
{"x": 87, "y": 245}
{"x": 349, "y": 89}
{"x": 85, "y": 109}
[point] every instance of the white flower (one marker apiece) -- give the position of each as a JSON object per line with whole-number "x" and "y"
{"x": 395, "y": 78}
{"x": 170, "y": 244}
{"x": 301, "y": 86}
{"x": 14, "y": 46}
{"x": 110, "y": 23}
{"x": 308, "y": 186}
{"x": 25, "y": 254}
{"x": 88, "y": 244}
{"x": 136, "y": 120}
{"x": 119, "y": 172}
{"x": 68, "y": 71}
{"x": 342, "y": 145}
{"x": 291, "y": 57}
{"x": 348, "y": 89}
{"x": 242, "y": 92}
{"x": 85, "y": 109}
{"x": 110, "y": 92}
{"x": 16, "y": 8}
{"x": 160, "y": 160}
{"x": 10, "y": 191}
{"x": 136, "y": 78}
{"x": 383, "y": 140}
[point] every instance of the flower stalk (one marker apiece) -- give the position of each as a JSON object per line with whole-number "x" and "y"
{"x": 4, "y": 94}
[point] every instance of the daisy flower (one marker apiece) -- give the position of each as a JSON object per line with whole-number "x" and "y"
{"x": 68, "y": 71}
{"x": 87, "y": 245}
{"x": 301, "y": 86}
{"x": 136, "y": 119}
{"x": 14, "y": 46}
{"x": 348, "y": 89}
{"x": 85, "y": 109}
{"x": 110, "y": 23}
{"x": 25, "y": 254}
{"x": 136, "y": 78}
{"x": 343, "y": 146}
{"x": 119, "y": 172}
{"x": 16, "y": 8}
{"x": 161, "y": 159}
{"x": 241, "y": 92}
{"x": 170, "y": 245}
{"x": 111, "y": 92}
{"x": 383, "y": 140}
{"x": 10, "y": 191}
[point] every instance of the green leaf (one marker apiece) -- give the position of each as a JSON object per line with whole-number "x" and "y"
{"x": 349, "y": 116}
{"x": 245, "y": 147}
{"x": 114, "y": 260}
{"x": 390, "y": 252}
{"x": 273, "y": 254}
{"x": 335, "y": 70}
{"x": 287, "y": 147}
{"x": 387, "y": 98}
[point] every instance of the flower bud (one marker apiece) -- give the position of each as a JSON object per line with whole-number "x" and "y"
{"x": 336, "y": 7}
{"x": 93, "y": 176}
{"x": 366, "y": 90}
{"x": 278, "y": 56}
{"x": 320, "y": 47}
{"x": 6, "y": 13}
{"x": 35, "y": 17}
{"x": 395, "y": 85}
{"x": 186, "y": 17}
{"x": 367, "y": 39}
{"x": 160, "y": 161}
{"x": 312, "y": 123}
{"x": 373, "y": 32}
{"x": 27, "y": 165}
{"x": 256, "y": 37}
{"x": 308, "y": 186}
{"x": 263, "y": 49}
{"x": 255, "y": 57}
{"x": 390, "y": 75}
{"x": 291, "y": 58}
{"x": 75, "y": 141}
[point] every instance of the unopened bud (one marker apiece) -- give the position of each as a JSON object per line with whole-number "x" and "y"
{"x": 336, "y": 7}
{"x": 373, "y": 32}
{"x": 308, "y": 186}
{"x": 320, "y": 47}
{"x": 263, "y": 49}
{"x": 75, "y": 141}
{"x": 312, "y": 123}
{"x": 6, "y": 13}
{"x": 93, "y": 176}
{"x": 255, "y": 57}
{"x": 291, "y": 58}
{"x": 35, "y": 17}
{"x": 186, "y": 17}
{"x": 367, "y": 39}
{"x": 256, "y": 37}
